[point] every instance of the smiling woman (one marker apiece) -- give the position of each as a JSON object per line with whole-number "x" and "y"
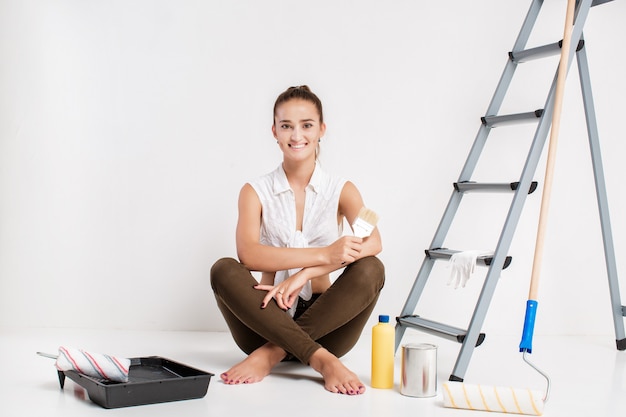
{"x": 289, "y": 228}
{"x": 296, "y": 126}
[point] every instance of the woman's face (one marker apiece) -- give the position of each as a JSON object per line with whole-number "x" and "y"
{"x": 297, "y": 129}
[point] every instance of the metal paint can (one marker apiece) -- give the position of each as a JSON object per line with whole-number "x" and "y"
{"x": 419, "y": 370}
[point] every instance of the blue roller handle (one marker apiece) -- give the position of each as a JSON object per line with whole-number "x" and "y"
{"x": 529, "y": 327}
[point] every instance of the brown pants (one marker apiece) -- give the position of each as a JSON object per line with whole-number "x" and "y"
{"x": 335, "y": 320}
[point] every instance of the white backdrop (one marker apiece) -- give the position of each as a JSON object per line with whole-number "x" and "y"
{"x": 128, "y": 127}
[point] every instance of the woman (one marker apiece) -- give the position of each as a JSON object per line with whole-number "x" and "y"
{"x": 289, "y": 228}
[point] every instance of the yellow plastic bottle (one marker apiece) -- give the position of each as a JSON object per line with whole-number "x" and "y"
{"x": 383, "y": 341}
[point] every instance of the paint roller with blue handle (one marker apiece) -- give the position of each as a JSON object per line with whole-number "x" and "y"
{"x": 526, "y": 345}
{"x": 504, "y": 399}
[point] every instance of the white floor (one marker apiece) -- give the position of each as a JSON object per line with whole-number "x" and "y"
{"x": 588, "y": 376}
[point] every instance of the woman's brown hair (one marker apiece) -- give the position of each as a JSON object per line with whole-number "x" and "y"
{"x": 301, "y": 92}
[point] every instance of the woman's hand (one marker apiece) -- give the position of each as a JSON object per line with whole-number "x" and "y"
{"x": 285, "y": 293}
{"x": 344, "y": 250}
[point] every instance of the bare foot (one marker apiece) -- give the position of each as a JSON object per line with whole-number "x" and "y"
{"x": 337, "y": 378}
{"x": 255, "y": 367}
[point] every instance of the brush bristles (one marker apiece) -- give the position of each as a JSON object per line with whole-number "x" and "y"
{"x": 368, "y": 216}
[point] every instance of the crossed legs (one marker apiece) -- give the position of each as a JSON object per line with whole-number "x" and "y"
{"x": 326, "y": 331}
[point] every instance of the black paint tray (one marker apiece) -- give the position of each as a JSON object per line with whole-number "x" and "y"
{"x": 150, "y": 380}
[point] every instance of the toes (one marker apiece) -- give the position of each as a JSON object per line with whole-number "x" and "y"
{"x": 354, "y": 388}
{"x": 332, "y": 389}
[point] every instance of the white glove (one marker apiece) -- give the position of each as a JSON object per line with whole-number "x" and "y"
{"x": 462, "y": 266}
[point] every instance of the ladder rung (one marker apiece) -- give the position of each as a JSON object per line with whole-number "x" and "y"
{"x": 624, "y": 311}
{"x": 541, "y": 52}
{"x": 510, "y": 119}
{"x": 469, "y": 186}
{"x": 443, "y": 253}
{"x": 438, "y": 329}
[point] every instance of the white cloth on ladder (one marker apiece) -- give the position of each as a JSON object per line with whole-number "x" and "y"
{"x": 462, "y": 266}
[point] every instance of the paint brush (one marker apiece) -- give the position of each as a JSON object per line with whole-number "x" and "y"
{"x": 364, "y": 223}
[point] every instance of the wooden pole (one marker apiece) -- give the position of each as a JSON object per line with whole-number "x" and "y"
{"x": 554, "y": 134}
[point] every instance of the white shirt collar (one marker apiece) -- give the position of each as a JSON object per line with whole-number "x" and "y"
{"x": 281, "y": 184}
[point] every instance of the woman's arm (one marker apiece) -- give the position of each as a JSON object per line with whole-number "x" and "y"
{"x": 259, "y": 257}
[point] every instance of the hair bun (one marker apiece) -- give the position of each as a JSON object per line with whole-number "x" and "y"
{"x": 300, "y": 92}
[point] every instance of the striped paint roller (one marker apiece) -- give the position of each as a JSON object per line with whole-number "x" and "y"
{"x": 490, "y": 398}
{"x": 95, "y": 365}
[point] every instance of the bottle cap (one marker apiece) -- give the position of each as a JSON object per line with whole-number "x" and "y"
{"x": 383, "y": 318}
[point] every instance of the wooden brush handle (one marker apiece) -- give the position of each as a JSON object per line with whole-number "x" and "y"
{"x": 554, "y": 134}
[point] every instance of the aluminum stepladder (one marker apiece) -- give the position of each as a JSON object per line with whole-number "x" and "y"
{"x": 520, "y": 189}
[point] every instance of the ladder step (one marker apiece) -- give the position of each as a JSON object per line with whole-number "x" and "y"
{"x": 511, "y": 119}
{"x": 470, "y": 186}
{"x": 541, "y": 52}
{"x": 443, "y": 253}
{"x": 599, "y": 2}
{"x": 438, "y": 329}
{"x": 624, "y": 311}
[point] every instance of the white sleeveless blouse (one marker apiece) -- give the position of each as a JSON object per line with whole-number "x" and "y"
{"x": 278, "y": 219}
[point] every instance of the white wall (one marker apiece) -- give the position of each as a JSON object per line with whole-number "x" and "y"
{"x": 128, "y": 127}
